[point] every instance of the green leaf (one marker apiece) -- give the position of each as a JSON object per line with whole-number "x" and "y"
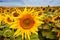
{"x": 34, "y": 37}
{"x": 12, "y": 38}
{"x": 19, "y": 38}
{"x": 7, "y": 33}
{"x": 44, "y": 33}
{"x": 59, "y": 38}
{"x": 43, "y": 16}
{"x": 6, "y": 39}
{"x": 40, "y": 27}
{"x": 55, "y": 12}
{"x": 49, "y": 35}
{"x": 6, "y": 25}
{"x": 55, "y": 30}
{"x": 2, "y": 26}
{"x": 1, "y": 33}
{"x": 58, "y": 25}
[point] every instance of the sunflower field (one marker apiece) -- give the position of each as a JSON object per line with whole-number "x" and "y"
{"x": 30, "y": 23}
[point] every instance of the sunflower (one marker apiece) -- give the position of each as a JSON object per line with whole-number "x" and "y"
{"x": 26, "y": 24}
{"x": 0, "y": 10}
{"x": 40, "y": 12}
{"x": 40, "y": 15}
{"x": 56, "y": 17}
{"x": 7, "y": 10}
{"x": 8, "y": 19}
{"x": 13, "y": 9}
{"x": 15, "y": 13}
{"x": 43, "y": 8}
{"x": 51, "y": 9}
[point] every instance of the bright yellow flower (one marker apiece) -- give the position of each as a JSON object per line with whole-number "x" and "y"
{"x": 8, "y": 19}
{"x": 1, "y": 10}
{"x": 44, "y": 8}
{"x": 41, "y": 12}
{"x": 7, "y": 10}
{"x": 56, "y": 17}
{"x": 13, "y": 9}
{"x": 51, "y": 9}
{"x": 15, "y": 13}
{"x": 26, "y": 23}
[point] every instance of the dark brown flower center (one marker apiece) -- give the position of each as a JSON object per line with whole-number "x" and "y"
{"x": 7, "y": 10}
{"x": 15, "y": 14}
{"x": 9, "y": 20}
{"x": 27, "y": 21}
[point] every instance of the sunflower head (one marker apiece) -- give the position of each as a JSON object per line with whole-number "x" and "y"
{"x": 1, "y": 10}
{"x": 55, "y": 19}
{"x": 7, "y": 10}
{"x": 40, "y": 12}
{"x": 26, "y": 20}
{"x": 8, "y": 19}
{"x": 16, "y": 13}
{"x": 13, "y": 9}
{"x": 51, "y": 9}
{"x": 43, "y": 8}
{"x": 26, "y": 23}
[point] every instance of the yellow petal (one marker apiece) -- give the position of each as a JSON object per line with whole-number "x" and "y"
{"x": 18, "y": 31}
{"x": 22, "y": 36}
{"x": 28, "y": 36}
{"x": 13, "y": 26}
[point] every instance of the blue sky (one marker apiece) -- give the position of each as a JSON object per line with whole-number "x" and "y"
{"x": 29, "y": 2}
